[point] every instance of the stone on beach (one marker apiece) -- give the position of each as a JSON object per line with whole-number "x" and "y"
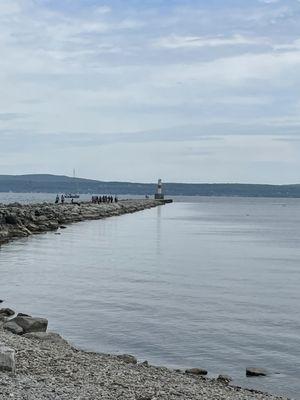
{"x": 127, "y": 358}
{"x": 13, "y": 327}
{"x": 256, "y": 372}
{"x": 31, "y": 324}
{"x": 196, "y": 371}
{"x": 224, "y": 378}
{"x": 7, "y": 358}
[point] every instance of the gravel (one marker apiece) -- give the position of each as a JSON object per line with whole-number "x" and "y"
{"x": 54, "y": 370}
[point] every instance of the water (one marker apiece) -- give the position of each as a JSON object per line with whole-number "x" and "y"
{"x": 212, "y": 283}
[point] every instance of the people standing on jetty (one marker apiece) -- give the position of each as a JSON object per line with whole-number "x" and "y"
{"x": 62, "y": 199}
{"x": 104, "y": 199}
{"x": 116, "y": 199}
{"x": 57, "y": 199}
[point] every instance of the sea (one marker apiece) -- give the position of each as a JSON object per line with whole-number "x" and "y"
{"x": 209, "y": 282}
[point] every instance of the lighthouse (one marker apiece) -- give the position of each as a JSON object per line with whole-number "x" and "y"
{"x": 159, "y": 192}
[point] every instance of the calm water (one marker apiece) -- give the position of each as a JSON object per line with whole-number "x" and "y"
{"x": 212, "y": 283}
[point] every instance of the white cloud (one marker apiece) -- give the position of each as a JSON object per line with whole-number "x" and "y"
{"x": 176, "y": 42}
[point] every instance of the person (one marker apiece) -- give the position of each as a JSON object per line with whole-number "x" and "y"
{"x": 62, "y": 199}
{"x": 116, "y": 198}
{"x": 57, "y": 199}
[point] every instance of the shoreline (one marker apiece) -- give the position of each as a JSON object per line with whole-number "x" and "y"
{"x": 47, "y": 367}
{"x": 23, "y": 220}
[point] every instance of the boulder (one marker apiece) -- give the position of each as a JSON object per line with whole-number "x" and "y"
{"x": 31, "y": 324}
{"x": 13, "y": 327}
{"x": 7, "y": 312}
{"x": 7, "y": 358}
{"x": 128, "y": 358}
{"x": 256, "y": 372}
{"x": 51, "y": 337}
{"x": 196, "y": 371}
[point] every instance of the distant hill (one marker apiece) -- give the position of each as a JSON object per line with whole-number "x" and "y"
{"x": 64, "y": 184}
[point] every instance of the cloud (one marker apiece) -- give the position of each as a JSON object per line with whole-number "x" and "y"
{"x": 177, "y": 42}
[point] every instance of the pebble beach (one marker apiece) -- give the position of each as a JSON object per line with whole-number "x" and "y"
{"x": 49, "y": 368}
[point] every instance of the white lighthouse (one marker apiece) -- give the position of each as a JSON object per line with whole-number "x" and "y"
{"x": 159, "y": 192}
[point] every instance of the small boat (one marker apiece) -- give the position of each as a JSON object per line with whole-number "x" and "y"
{"x": 71, "y": 196}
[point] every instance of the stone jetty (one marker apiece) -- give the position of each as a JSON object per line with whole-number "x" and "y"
{"x": 21, "y": 220}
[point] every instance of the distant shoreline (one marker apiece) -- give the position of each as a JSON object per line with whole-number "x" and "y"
{"x": 38, "y": 183}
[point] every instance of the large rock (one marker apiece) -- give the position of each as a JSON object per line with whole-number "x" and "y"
{"x": 7, "y": 358}
{"x": 31, "y": 324}
{"x": 256, "y": 372}
{"x": 13, "y": 327}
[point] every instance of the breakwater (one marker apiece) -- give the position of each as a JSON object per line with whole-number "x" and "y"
{"x": 19, "y": 220}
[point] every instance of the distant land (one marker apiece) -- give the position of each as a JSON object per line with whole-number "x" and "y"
{"x": 43, "y": 183}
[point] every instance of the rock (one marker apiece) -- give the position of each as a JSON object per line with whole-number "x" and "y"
{"x": 256, "y": 372}
{"x": 63, "y": 227}
{"x": 128, "y": 358}
{"x": 11, "y": 219}
{"x": 30, "y": 324}
{"x": 196, "y": 371}
{"x": 23, "y": 315}
{"x": 13, "y": 327}
{"x": 1, "y": 301}
{"x": 145, "y": 363}
{"x": 224, "y": 379}
{"x": 7, "y": 359}
{"x": 8, "y": 312}
{"x": 46, "y": 337}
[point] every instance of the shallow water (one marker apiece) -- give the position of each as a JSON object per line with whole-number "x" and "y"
{"x": 212, "y": 283}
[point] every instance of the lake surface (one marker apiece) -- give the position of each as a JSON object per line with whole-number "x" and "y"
{"x": 211, "y": 283}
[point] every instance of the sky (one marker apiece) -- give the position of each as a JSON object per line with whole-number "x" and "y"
{"x": 183, "y": 90}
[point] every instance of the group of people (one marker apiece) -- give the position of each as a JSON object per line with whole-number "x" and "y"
{"x": 62, "y": 199}
{"x": 104, "y": 199}
{"x": 95, "y": 199}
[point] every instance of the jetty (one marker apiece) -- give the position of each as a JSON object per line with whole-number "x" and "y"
{"x": 22, "y": 220}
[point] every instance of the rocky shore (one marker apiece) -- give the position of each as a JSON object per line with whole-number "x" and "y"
{"x": 17, "y": 220}
{"x": 40, "y": 365}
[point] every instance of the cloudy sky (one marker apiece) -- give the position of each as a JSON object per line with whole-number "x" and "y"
{"x": 185, "y": 90}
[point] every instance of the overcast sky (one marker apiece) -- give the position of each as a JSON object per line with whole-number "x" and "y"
{"x": 185, "y": 90}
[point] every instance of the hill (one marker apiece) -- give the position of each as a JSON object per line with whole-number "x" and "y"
{"x": 64, "y": 184}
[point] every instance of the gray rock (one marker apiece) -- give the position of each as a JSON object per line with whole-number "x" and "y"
{"x": 46, "y": 337}
{"x": 196, "y": 371}
{"x": 8, "y": 312}
{"x": 224, "y": 379}
{"x": 23, "y": 315}
{"x": 31, "y": 324}
{"x": 256, "y": 372}
{"x": 7, "y": 358}
{"x": 13, "y": 327}
{"x": 128, "y": 358}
